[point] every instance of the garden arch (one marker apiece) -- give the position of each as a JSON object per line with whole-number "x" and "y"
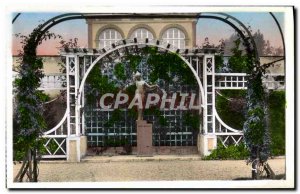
{"x": 187, "y": 55}
{"x": 131, "y": 46}
{"x": 80, "y": 62}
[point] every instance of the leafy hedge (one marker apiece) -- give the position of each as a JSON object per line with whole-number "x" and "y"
{"x": 277, "y": 122}
{"x": 232, "y": 152}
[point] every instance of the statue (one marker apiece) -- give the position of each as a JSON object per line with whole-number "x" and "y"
{"x": 141, "y": 88}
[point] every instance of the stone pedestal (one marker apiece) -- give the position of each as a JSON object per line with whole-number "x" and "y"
{"x": 76, "y": 148}
{"x": 206, "y": 143}
{"x": 144, "y": 138}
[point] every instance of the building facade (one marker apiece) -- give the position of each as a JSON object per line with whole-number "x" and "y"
{"x": 180, "y": 32}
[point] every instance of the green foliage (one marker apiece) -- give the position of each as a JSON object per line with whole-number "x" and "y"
{"x": 232, "y": 152}
{"x": 219, "y": 62}
{"x": 260, "y": 42}
{"x": 277, "y": 122}
{"x": 257, "y": 136}
{"x": 162, "y": 121}
{"x": 192, "y": 120}
{"x": 99, "y": 85}
{"x": 116, "y": 116}
{"x": 235, "y": 117}
{"x": 162, "y": 64}
{"x": 119, "y": 71}
{"x": 101, "y": 82}
{"x": 155, "y": 111}
{"x": 51, "y": 146}
{"x": 132, "y": 113}
{"x": 238, "y": 61}
{"x": 130, "y": 90}
{"x": 263, "y": 46}
{"x": 256, "y": 125}
{"x": 150, "y": 50}
{"x": 231, "y": 107}
{"x": 256, "y": 85}
{"x": 134, "y": 60}
{"x": 29, "y": 121}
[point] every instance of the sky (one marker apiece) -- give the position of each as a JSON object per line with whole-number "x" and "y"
{"x": 213, "y": 29}
{"x": 26, "y": 22}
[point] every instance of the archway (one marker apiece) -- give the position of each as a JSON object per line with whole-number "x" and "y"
{"x": 80, "y": 80}
{"x": 78, "y": 93}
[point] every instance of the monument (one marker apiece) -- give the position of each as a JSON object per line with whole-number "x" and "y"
{"x": 143, "y": 129}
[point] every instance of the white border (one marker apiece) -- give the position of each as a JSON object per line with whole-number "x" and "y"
{"x": 63, "y": 6}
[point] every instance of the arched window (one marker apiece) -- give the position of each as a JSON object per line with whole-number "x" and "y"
{"x": 141, "y": 34}
{"x": 175, "y": 37}
{"x": 109, "y": 36}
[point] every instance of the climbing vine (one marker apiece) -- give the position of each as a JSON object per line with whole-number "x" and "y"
{"x": 29, "y": 120}
{"x": 256, "y": 132}
{"x": 165, "y": 69}
{"x": 256, "y": 126}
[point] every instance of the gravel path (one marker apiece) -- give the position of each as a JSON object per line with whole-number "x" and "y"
{"x": 93, "y": 171}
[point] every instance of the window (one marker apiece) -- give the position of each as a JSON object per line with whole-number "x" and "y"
{"x": 175, "y": 37}
{"x": 141, "y": 34}
{"x": 108, "y": 36}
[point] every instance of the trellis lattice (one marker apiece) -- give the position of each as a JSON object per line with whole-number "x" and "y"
{"x": 227, "y": 140}
{"x": 79, "y": 61}
{"x": 55, "y": 146}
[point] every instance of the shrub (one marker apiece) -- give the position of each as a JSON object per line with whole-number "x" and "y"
{"x": 232, "y": 152}
{"x": 277, "y": 122}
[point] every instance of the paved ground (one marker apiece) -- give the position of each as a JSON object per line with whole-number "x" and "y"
{"x": 132, "y": 168}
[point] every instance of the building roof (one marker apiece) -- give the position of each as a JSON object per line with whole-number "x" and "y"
{"x": 107, "y": 16}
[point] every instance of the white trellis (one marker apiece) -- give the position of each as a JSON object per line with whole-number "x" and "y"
{"x": 79, "y": 63}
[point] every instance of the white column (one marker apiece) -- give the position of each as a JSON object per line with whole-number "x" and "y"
{"x": 68, "y": 94}
{"x": 82, "y": 98}
{"x": 77, "y": 101}
{"x": 209, "y": 70}
{"x": 205, "y": 96}
{"x": 213, "y": 93}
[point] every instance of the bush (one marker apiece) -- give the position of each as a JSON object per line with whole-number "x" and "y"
{"x": 232, "y": 152}
{"x": 277, "y": 122}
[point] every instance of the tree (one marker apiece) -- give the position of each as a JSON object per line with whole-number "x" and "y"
{"x": 269, "y": 50}
{"x": 263, "y": 46}
{"x": 229, "y": 44}
{"x": 260, "y": 42}
{"x": 237, "y": 62}
{"x": 278, "y": 51}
